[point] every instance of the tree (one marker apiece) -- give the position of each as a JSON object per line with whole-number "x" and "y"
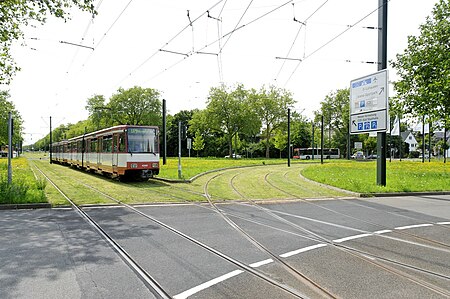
{"x": 280, "y": 140}
{"x": 336, "y": 113}
{"x": 99, "y": 114}
{"x": 229, "y": 112}
{"x": 7, "y": 106}
{"x": 172, "y": 131}
{"x": 16, "y": 14}
{"x": 198, "y": 143}
{"x": 271, "y": 107}
{"x": 136, "y": 106}
{"x": 424, "y": 68}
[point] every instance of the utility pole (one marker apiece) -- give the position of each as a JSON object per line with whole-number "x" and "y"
{"x": 382, "y": 64}
{"x": 10, "y": 151}
{"x": 50, "y": 144}
{"x": 321, "y": 140}
{"x": 164, "y": 132}
{"x": 289, "y": 136}
{"x": 313, "y": 146}
{"x": 179, "y": 150}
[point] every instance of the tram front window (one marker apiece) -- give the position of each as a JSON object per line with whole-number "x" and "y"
{"x": 142, "y": 140}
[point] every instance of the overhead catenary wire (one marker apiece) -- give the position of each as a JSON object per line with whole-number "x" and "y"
{"x": 217, "y": 40}
{"x": 302, "y": 24}
{"x": 167, "y": 43}
{"x": 332, "y": 40}
{"x": 237, "y": 24}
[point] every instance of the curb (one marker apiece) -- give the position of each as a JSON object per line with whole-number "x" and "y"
{"x": 26, "y": 206}
{"x": 404, "y": 194}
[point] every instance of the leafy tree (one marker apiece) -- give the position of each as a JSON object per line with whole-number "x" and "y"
{"x": 336, "y": 113}
{"x": 172, "y": 131}
{"x": 270, "y": 105}
{"x": 15, "y": 14}
{"x": 136, "y": 106}
{"x": 99, "y": 114}
{"x": 280, "y": 140}
{"x": 7, "y": 106}
{"x": 229, "y": 112}
{"x": 301, "y": 131}
{"x": 198, "y": 143}
{"x": 424, "y": 68}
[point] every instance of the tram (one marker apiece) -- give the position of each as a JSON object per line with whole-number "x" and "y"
{"x": 123, "y": 151}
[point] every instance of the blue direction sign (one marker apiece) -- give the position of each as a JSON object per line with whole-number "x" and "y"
{"x": 369, "y": 103}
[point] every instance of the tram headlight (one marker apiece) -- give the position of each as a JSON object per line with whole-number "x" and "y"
{"x": 154, "y": 165}
{"x": 134, "y": 165}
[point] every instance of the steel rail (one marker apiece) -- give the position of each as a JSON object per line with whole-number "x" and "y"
{"x": 148, "y": 280}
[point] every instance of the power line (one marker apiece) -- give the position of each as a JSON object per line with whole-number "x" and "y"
{"x": 225, "y": 35}
{"x": 331, "y": 40}
{"x": 240, "y": 19}
{"x": 298, "y": 33}
{"x": 107, "y": 31}
{"x": 167, "y": 43}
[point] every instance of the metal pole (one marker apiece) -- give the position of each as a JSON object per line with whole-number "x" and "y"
{"x": 164, "y": 133}
{"x": 289, "y": 137}
{"x": 313, "y": 149}
{"x": 179, "y": 150}
{"x": 50, "y": 144}
{"x": 429, "y": 140}
{"x": 10, "y": 152}
{"x": 321, "y": 141}
{"x": 382, "y": 64}
{"x": 423, "y": 139}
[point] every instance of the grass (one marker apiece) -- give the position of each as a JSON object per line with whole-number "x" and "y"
{"x": 193, "y": 166}
{"x": 401, "y": 176}
{"x": 271, "y": 180}
{"x": 25, "y": 187}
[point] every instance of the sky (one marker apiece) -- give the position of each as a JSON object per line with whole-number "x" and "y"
{"x": 155, "y": 44}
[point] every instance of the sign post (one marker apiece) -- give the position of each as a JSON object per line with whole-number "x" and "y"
{"x": 369, "y": 112}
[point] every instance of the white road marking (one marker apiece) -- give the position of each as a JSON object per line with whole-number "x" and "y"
{"x": 291, "y": 253}
{"x": 207, "y": 284}
{"x": 383, "y": 231}
{"x": 224, "y": 277}
{"x": 261, "y": 263}
{"x": 351, "y": 238}
{"x": 413, "y": 226}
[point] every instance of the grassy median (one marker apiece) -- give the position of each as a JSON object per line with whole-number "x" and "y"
{"x": 401, "y": 176}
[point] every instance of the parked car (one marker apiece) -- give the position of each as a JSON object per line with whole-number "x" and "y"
{"x": 234, "y": 156}
{"x": 373, "y": 156}
{"x": 358, "y": 156}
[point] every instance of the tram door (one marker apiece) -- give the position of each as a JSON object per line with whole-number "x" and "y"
{"x": 99, "y": 152}
{"x": 115, "y": 152}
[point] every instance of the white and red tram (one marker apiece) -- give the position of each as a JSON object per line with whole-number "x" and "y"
{"x": 124, "y": 151}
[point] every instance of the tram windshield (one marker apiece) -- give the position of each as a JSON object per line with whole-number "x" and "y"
{"x": 142, "y": 140}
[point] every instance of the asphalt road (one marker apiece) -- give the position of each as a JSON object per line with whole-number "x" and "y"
{"x": 396, "y": 247}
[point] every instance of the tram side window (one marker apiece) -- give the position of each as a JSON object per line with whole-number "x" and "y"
{"x": 94, "y": 146}
{"x": 107, "y": 144}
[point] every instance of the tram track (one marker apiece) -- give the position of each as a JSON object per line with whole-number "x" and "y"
{"x": 359, "y": 253}
{"x": 403, "y": 233}
{"x": 437, "y": 290}
{"x": 155, "y": 287}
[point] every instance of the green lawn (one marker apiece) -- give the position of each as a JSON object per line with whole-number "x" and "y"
{"x": 401, "y": 176}
{"x": 267, "y": 179}
{"x": 191, "y": 167}
{"x": 25, "y": 187}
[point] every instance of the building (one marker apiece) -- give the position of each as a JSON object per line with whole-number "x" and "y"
{"x": 439, "y": 135}
{"x": 409, "y": 138}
